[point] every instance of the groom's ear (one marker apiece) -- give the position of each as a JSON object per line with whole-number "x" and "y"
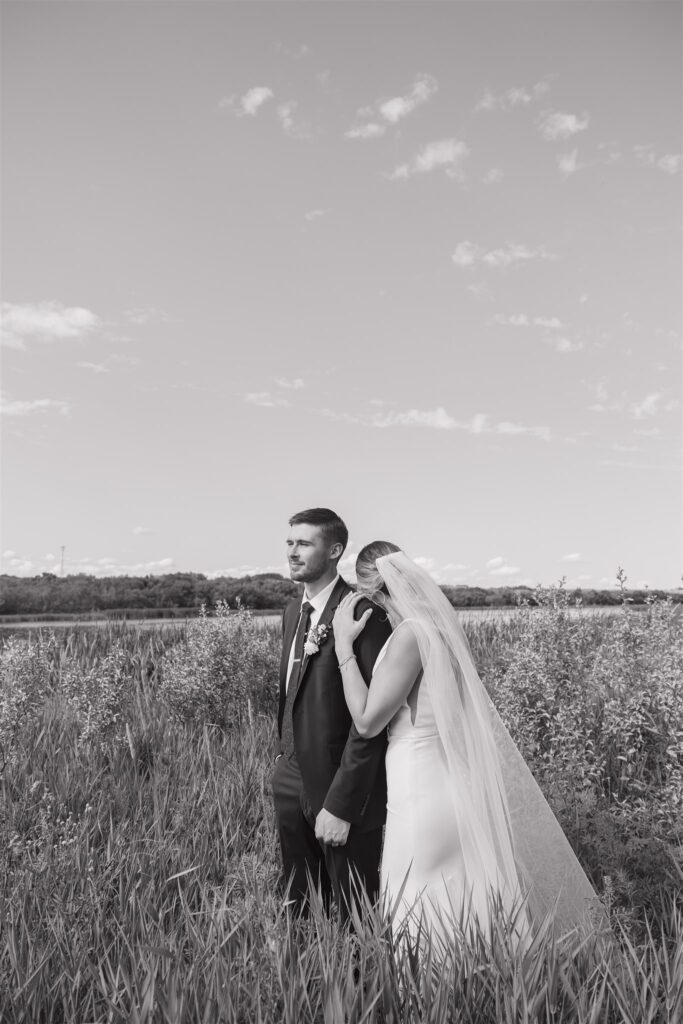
{"x": 336, "y": 551}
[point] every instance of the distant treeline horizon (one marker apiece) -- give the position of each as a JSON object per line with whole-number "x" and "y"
{"x": 50, "y": 594}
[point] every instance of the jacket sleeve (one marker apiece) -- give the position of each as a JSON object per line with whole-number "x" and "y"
{"x": 354, "y": 780}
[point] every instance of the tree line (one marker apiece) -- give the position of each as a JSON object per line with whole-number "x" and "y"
{"x": 188, "y": 591}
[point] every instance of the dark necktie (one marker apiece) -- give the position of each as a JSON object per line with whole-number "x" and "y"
{"x": 293, "y": 683}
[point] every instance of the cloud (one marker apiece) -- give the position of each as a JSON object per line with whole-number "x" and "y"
{"x": 27, "y": 565}
{"x": 440, "y": 419}
{"x": 16, "y": 407}
{"x": 515, "y": 96}
{"x": 648, "y": 432}
{"x": 265, "y": 399}
{"x": 602, "y": 401}
{"x": 254, "y": 99}
{"x": 448, "y": 153}
{"x": 568, "y": 163}
{"x": 543, "y": 433}
{"x": 45, "y": 321}
{"x": 295, "y": 129}
{"x": 480, "y": 291}
{"x": 524, "y": 320}
{"x": 649, "y": 406}
{"x": 295, "y": 383}
{"x": 394, "y": 110}
{"x": 372, "y": 130}
{"x": 140, "y": 530}
{"x": 145, "y": 315}
{"x": 555, "y": 126}
{"x": 564, "y": 345}
{"x": 312, "y": 215}
{"x": 294, "y": 53}
{"x": 499, "y": 567}
{"x": 95, "y": 367}
{"x": 573, "y": 556}
{"x": 493, "y": 177}
{"x": 670, "y": 163}
{"x": 467, "y": 255}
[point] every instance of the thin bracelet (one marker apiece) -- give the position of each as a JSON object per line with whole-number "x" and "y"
{"x": 351, "y": 657}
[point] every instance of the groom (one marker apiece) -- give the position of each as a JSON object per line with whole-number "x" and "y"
{"x": 329, "y": 784}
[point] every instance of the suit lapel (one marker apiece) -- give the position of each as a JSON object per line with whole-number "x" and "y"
{"x": 325, "y": 620}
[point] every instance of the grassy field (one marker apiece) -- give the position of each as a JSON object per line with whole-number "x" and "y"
{"x": 138, "y": 859}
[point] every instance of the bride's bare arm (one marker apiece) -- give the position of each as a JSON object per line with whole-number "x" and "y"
{"x": 373, "y": 708}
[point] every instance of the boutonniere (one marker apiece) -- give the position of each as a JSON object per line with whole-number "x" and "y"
{"x": 315, "y": 637}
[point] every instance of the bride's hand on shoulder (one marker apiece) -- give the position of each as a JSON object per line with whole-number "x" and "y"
{"x": 346, "y": 628}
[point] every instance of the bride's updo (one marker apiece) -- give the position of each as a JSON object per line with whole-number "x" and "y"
{"x": 369, "y": 580}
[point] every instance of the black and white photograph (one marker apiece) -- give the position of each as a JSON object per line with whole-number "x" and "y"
{"x": 341, "y": 536}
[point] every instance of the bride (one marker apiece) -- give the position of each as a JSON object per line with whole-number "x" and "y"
{"x": 468, "y": 829}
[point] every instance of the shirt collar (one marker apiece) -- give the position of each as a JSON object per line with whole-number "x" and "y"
{"x": 320, "y": 600}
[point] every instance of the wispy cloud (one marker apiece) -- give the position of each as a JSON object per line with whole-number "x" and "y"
{"x": 94, "y": 367}
{"x": 390, "y": 112}
{"x": 296, "y": 129}
{"x": 493, "y": 177}
{"x": 563, "y": 344}
{"x": 440, "y": 419}
{"x": 671, "y": 163}
{"x": 445, "y": 153}
{"x": 480, "y": 291}
{"x": 293, "y": 383}
{"x": 394, "y": 110}
{"x": 603, "y": 401}
{"x": 253, "y": 100}
{"x": 573, "y": 556}
{"x": 18, "y": 407}
{"x": 498, "y": 566}
{"x": 555, "y": 126}
{"x": 139, "y": 531}
{"x": 45, "y": 321}
{"x": 568, "y": 163}
{"x": 515, "y": 96}
{"x": 467, "y": 255}
{"x": 525, "y": 320}
{"x": 265, "y": 399}
{"x": 312, "y": 215}
{"x": 648, "y": 406}
{"x": 371, "y": 130}
{"x": 145, "y": 315}
{"x": 293, "y": 52}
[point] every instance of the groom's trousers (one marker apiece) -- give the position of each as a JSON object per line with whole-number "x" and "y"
{"x": 336, "y": 871}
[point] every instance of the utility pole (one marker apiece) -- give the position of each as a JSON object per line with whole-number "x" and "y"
{"x": 61, "y": 573}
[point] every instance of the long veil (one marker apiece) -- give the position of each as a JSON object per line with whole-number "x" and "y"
{"x": 509, "y": 831}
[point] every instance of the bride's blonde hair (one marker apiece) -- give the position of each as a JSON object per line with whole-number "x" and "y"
{"x": 367, "y": 574}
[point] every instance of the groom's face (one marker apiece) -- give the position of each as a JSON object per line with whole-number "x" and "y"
{"x": 310, "y": 556}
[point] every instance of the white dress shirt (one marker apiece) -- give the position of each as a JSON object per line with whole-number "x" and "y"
{"x": 318, "y": 602}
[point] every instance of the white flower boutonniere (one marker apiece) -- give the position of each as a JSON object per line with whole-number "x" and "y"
{"x": 315, "y": 637}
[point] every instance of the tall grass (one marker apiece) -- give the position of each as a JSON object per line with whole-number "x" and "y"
{"x": 139, "y": 865}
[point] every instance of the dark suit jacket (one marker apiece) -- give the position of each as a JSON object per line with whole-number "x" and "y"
{"x": 340, "y": 770}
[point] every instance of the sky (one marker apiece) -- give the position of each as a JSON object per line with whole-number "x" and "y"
{"x": 416, "y": 262}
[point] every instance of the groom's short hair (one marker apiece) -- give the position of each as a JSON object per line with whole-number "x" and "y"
{"x": 332, "y": 526}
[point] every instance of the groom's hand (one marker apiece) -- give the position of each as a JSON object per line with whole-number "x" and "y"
{"x": 330, "y": 829}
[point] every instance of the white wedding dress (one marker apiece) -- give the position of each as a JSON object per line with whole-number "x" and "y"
{"x": 423, "y": 875}
{"x": 468, "y": 830}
